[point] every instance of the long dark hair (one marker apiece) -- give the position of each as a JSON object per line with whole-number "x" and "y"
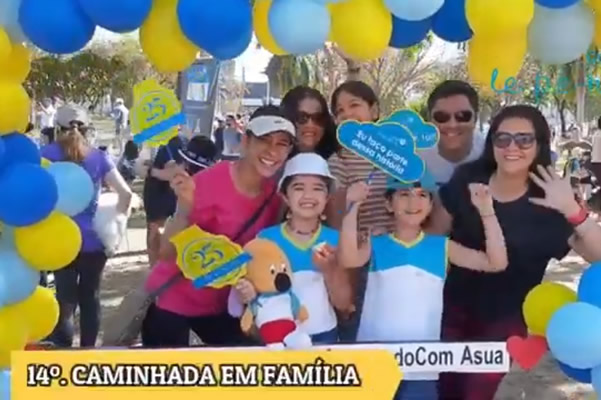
{"x": 290, "y": 103}
{"x": 487, "y": 163}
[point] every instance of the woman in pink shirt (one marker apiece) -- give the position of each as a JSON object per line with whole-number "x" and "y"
{"x": 220, "y": 200}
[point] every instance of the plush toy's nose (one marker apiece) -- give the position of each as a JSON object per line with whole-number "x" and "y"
{"x": 282, "y": 282}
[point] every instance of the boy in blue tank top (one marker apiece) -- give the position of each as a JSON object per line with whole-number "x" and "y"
{"x": 404, "y": 294}
{"x": 321, "y": 285}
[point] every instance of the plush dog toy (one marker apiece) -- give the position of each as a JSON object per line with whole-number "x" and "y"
{"x": 276, "y": 309}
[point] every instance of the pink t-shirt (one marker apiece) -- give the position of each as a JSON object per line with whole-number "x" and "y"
{"x": 220, "y": 209}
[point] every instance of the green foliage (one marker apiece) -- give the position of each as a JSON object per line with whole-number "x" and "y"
{"x": 86, "y": 77}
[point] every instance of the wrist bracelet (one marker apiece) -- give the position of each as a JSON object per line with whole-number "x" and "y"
{"x": 578, "y": 218}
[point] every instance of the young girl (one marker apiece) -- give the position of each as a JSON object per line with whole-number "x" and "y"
{"x": 309, "y": 245}
{"x": 355, "y": 100}
{"x": 403, "y": 299}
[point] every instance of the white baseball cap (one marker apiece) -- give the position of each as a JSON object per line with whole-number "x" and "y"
{"x": 307, "y": 164}
{"x": 266, "y": 124}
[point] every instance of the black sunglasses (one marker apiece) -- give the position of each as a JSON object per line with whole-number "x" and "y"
{"x": 524, "y": 140}
{"x": 303, "y": 117}
{"x": 442, "y": 117}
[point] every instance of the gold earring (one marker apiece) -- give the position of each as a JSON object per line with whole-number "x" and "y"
{"x": 323, "y": 217}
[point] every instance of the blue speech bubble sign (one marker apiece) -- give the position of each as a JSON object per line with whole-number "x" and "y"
{"x": 389, "y": 146}
{"x": 426, "y": 135}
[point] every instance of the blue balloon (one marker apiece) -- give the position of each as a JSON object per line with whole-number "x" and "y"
{"x": 57, "y": 26}
{"x": 29, "y": 194}
{"x": 450, "y": 22}
{"x": 596, "y": 380}
{"x": 2, "y": 150}
{"x": 222, "y": 28}
{"x": 117, "y": 15}
{"x": 574, "y": 335}
{"x": 4, "y": 385}
{"x": 580, "y": 375}
{"x": 299, "y": 26}
{"x": 408, "y": 33}
{"x": 17, "y": 279}
{"x": 75, "y": 187}
{"x": 589, "y": 288}
{"x": 19, "y": 149}
{"x": 9, "y": 20}
{"x": 557, "y": 3}
{"x": 413, "y": 10}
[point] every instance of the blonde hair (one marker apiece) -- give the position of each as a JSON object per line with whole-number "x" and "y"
{"x": 73, "y": 145}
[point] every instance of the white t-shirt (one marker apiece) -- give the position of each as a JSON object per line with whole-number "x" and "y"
{"x": 441, "y": 168}
{"x": 47, "y": 116}
{"x": 596, "y": 152}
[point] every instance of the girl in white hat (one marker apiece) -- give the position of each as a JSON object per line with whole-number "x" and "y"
{"x": 322, "y": 286}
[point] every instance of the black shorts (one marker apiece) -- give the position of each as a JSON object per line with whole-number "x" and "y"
{"x": 159, "y": 201}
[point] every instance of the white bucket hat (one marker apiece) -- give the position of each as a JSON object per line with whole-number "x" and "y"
{"x": 307, "y": 164}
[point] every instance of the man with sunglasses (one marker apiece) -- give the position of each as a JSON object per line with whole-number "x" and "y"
{"x": 453, "y": 108}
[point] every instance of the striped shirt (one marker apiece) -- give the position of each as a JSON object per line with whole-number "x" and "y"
{"x": 349, "y": 168}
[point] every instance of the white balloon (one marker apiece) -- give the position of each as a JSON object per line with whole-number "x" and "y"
{"x": 561, "y": 35}
{"x": 413, "y": 10}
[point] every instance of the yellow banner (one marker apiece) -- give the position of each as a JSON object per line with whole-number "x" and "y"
{"x": 188, "y": 374}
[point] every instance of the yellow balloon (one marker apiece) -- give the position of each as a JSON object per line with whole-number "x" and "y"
{"x": 505, "y": 55}
{"x": 261, "y": 25}
{"x": 361, "y": 28}
{"x": 17, "y": 66}
{"x": 51, "y": 244}
{"x": 595, "y": 5}
{"x": 542, "y": 302}
{"x": 163, "y": 41}
{"x": 15, "y": 104}
{"x": 5, "y": 46}
{"x": 39, "y": 313}
{"x": 498, "y": 17}
{"x": 597, "y": 37}
{"x": 45, "y": 162}
{"x": 13, "y": 335}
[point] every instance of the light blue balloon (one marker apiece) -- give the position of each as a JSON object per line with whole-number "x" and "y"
{"x": 574, "y": 335}
{"x": 596, "y": 380}
{"x": 559, "y": 36}
{"x": 4, "y": 385}
{"x": 17, "y": 279}
{"x": 7, "y": 238}
{"x": 413, "y": 10}
{"x": 9, "y": 20}
{"x": 328, "y": 1}
{"x": 75, "y": 187}
{"x": 299, "y": 26}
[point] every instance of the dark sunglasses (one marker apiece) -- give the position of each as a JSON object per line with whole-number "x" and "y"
{"x": 443, "y": 117}
{"x": 303, "y": 117}
{"x": 523, "y": 140}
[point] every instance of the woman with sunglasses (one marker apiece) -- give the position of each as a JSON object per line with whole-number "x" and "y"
{"x": 540, "y": 220}
{"x": 78, "y": 284}
{"x": 315, "y": 128}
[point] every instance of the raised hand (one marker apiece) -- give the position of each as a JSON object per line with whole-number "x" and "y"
{"x": 481, "y": 198}
{"x": 183, "y": 186}
{"x": 357, "y": 193}
{"x": 558, "y": 191}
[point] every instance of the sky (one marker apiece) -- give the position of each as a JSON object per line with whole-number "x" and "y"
{"x": 254, "y": 60}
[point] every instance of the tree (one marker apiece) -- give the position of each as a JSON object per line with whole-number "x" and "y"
{"x": 89, "y": 75}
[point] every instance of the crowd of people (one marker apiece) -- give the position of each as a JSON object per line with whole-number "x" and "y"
{"x": 449, "y": 258}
